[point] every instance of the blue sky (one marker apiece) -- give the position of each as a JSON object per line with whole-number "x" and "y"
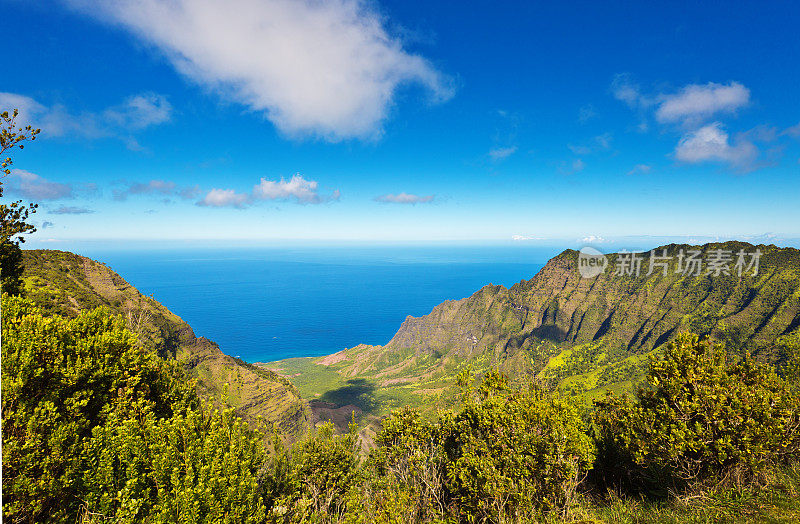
{"x": 404, "y": 121}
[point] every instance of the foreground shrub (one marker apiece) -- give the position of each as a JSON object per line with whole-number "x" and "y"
{"x": 406, "y": 481}
{"x": 702, "y": 417}
{"x": 95, "y": 425}
{"x": 201, "y": 467}
{"x": 311, "y": 481}
{"x": 510, "y": 454}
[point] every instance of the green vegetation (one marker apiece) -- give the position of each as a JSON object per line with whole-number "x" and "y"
{"x": 95, "y": 425}
{"x": 98, "y": 428}
{"x": 703, "y": 417}
{"x": 65, "y": 284}
{"x": 486, "y": 410}
{"x": 582, "y": 336}
{"x": 13, "y": 217}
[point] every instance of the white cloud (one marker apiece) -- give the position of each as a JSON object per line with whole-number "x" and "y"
{"x": 578, "y": 165}
{"x": 711, "y": 143}
{"x": 134, "y": 114}
{"x": 298, "y": 188}
{"x": 404, "y": 198}
{"x": 501, "y": 153}
{"x": 32, "y": 186}
{"x": 695, "y": 103}
{"x": 522, "y": 238}
{"x": 140, "y": 111}
{"x": 640, "y": 168}
{"x": 224, "y": 198}
{"x": 593, "y": 239}
{"x": 329, "y": 69}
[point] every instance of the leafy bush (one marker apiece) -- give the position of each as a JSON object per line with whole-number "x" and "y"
{"x": 407, "y": 466}
{"x": 194, "y": 468}
{"x": 312, "y": 480}
{"x": 703, "y": 417}
{"x": 512, "y": 453}
{"x": 94, "y": 424}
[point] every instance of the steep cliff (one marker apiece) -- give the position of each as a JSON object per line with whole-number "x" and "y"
{"x": 65, "y": 283}
{"x": 583, "y": 335}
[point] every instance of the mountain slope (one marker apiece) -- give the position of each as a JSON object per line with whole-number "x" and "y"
{"x": 583, "y": 335}
{"x": 65, "y": 283}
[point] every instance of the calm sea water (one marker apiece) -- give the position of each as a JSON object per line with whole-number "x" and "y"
{"x": 268, "y": 303}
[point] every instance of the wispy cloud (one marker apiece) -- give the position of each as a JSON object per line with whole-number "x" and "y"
{"x": 160, "y": 188}
{"x": 501, "y": 153}
{"x": 32, "y": 186}
{"x": 404, "y": 198}
{"x": 524, "y": 238}
{"x": 328, "y": 69}
{"x": 71, "y": 210}
{"x": 598, "y": 143}
{"x": 132, "y": 115}
{"x": 640, "y": 169}
{"x": 586, "y": 113}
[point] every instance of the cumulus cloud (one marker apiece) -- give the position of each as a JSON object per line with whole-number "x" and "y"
{"x": 711, "y": 143}
{"x": 404, "y": 198}
{"x": 32, "y": 186}
{"x": 501, "y": 153}
{"x": 329, "y": 69}
{"x": 224, "y": 198}
{"x": 134, "y": 114}
{"x": 696, "y": 103}
{"x": 71, "y": 210}
{"x": 297, "y": 188}
{"x": 46, "y": 224}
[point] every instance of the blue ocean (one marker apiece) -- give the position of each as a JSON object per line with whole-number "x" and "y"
{"x": 265, "y": 304}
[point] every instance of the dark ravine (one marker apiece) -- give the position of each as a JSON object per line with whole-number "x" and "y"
{"x": 66, "y": 283}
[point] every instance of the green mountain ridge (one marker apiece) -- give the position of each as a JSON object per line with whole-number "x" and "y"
{"x": 582, "y": 335}
{"x": 65, "y": 283}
